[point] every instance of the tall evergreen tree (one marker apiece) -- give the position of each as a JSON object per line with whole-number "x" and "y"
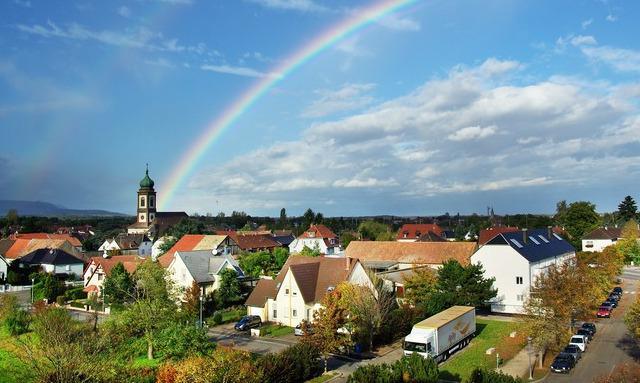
{"x": 627, "y": 209}
{"x": 118, "y": 288}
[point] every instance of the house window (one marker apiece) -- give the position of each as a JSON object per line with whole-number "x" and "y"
{"x": 275, "y": 313}
{"x": 68, "y": 267}
{"x": 295, "y": 313}
{"x": 100, "y": 276}
{"x": 286, "y": 291}
{"x": 294, "y": 293}
{"x": 520, "y": 298}
{"x": 589, "y": 244}
{"x": 518, "y": 280}
{"x": 151, "y": 201}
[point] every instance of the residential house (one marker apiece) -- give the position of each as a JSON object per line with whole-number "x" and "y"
{"x": 55, "y": 261}
{"x": 5, "y": 244}
{"x": 515, "y": 259}
{"x": 486, "y": 235}
{"x": 600, "y": 238}
{"x": 18, "y": 248}
{"x": 317, "y": 237}
{"x": 297, "y": 291}
{"x": 99, "y": 268}
{"x": 221, "y": 244}
{"x": 381, "y": 256}
{"x": 254, "y": 242}
{"x": 156, "y": 248}
{"x": 411, "y": 232}
{"x": 202, "y": 267}
{"x": 127, "y": 244}
{"x": 283, "y": 237}
{"x": 430, "y": 236}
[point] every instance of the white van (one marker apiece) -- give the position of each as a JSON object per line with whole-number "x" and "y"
{"x": 580, "y": 341}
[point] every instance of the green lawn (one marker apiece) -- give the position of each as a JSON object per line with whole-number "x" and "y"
{"x": 142, "y": 361}
{"x": 275, "y": 330}
{"x": 233, "y": 315}
{"x": 489, "y": 333}
{"x": 322, "y": 378}
{"x": 11, "y": 365}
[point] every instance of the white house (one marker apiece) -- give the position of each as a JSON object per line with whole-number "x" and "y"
{"x": 600, "y": 238}
{"x": 411, "y": 232}
{"x": 55, "y": 261}
{"x": 515, "y": 259}
{"x": 317, "y": 237}
{"x": 297, "y": 292}
{"x": 3, "y": 268}
{"x": 202, "y": 267}
{"x": 129, "y": 244}
{"x": 99, "y": 269}
{"x": 157, "y": 245}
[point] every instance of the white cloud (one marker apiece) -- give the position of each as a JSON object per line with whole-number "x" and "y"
{"x": 160, "y": 62}
{"x": 554, "y": 131}
{"x": 124, "y": 11}
{"x": 611, "y": 18}
{"x": 587, "y": 23}
{"x": 473, "y": 133}
{"x": 393, "y": 21}
{"x": 23, "y": 3}
{"x": 237, "y": 70}
{"x": 625, "y": 60}
{"x": 583, "y": 40}
{"x": 348, "y": 97}
{"x": 291, "y": 5}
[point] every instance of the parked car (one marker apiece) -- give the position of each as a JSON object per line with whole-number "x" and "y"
{"x": 586, "y": 333}
{"x": 618, "y": 290}
{"x": 298, "y": 330}
{"x": 590, "y": 326}
{"x": 604, "y": 312}
{"x": 607, "y": 304}
{"x": 247, "y": 322}
{"x": 613, "y": 302}
{"x": 580, "y": 341}
{"x": 614, "y": 296}
{"x": 574, "y": 351}
{"x": 563, "y": 363}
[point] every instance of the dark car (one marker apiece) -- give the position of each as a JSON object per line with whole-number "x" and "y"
{"x": 607, "y": 304}
{"x": 614, "y": 296}
{"x": 618, "y": 290}
{"x": 590, "y": 327}
{"x": 563, "y": 363}
{"x": 247, "y": 322}
{"x": 585, "y": 332}
{"x": 574, "y": 351}
{"x": 614, "y": 303}
{"x": 604, "y": 312}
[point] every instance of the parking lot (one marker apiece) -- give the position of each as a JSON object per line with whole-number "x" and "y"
{"x": 612, "y": 343}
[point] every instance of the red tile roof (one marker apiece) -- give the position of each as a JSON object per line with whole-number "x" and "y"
{"x": 252, "y": 242}
{"x": 318, "y": 231}
{"x": 487, "y": 235}
{"x": 23, "y": 246}
{"x": 72, "y": 240}
{"x": 130, "y": 262}
{"x": 415, "y": 230}
{"x": 188, "y": 242}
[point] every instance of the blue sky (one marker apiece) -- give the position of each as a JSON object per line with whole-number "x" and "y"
{"x": 445, "y": 106}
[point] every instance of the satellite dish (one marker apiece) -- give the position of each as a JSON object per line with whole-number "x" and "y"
{"x": 215, "y": 251}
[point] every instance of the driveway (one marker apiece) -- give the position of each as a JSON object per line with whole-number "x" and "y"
{"x": 226, "y": 335}
{"x": 612, "y": 344}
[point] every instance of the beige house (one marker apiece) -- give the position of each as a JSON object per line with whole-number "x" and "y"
{"x": 297, "y": 292}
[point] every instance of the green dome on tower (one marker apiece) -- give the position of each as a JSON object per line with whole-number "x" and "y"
{"x": 147, "y": 182}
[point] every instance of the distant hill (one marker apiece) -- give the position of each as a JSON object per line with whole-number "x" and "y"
{"x": 46, "y": 209}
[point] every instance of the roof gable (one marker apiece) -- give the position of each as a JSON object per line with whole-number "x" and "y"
{"x": 410, "y": 252}
{"x": 486, "y": 235}
{"x": 534, "y": 245}
{"x": 415, "y": 230}
{"x": 605, "y": 233}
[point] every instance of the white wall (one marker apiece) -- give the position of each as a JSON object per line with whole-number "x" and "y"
{"x": 3, "y": 268}
{"x": 288, "y": 302}
{"x": 596, "y": 244}
{"x": 179, "y": 274}
{"x": 504, "y": 264}
{"x": 94, "y": 279}
{"x": 109, "y": 245}
{"x": 145, "y": 249}
{"x": 299, "y": 243}
{"x": 62, "y": 269}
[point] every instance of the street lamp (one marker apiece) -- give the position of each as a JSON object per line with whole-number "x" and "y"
{"x": 529, "y": 353}
{"x": 201, "y": 299}
{"x": 33, "y": 282}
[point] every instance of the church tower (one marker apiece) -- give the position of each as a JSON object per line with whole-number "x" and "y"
{"x": 146, "y": 201}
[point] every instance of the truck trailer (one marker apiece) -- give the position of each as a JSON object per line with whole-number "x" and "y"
{"x": 442, "y": 334}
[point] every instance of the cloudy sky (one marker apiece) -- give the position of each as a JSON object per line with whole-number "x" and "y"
{"x": 444, "y": 106}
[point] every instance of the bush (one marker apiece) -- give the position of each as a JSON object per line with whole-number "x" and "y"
{"x": 75, "y": 294}
{"x": 414, "y": 368}
{"x": 18, "y": 322}
{"x": 487, "y": 376}
{"x": 374, "y": 373}
{"x": 60, "y": 301}
{"x": 217, "y": 318}
{"x": 297, "y": 363}
{"x": 179, "y": 341}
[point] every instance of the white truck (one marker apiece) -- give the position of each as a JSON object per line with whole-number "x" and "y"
{"x": 442, "y": 334}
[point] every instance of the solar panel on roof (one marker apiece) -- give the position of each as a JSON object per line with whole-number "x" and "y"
{"x": 534, "y": 240}
{"x": 543, "y": 239}
{"x": 557, "y": 236}
{"x": 515, "y": 242}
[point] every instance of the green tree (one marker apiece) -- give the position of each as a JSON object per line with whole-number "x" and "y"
{"x": 627, "y": 209}
{"x": 229, "y": 290}
{"x": 346, "y": 238}
{"x": 309, "y": 252}
{"x": 48, "y": 287}
{"x": 561, "y": 213}
{"x": 581, "y": 218}
{"x": 283, "y": 218}
{"x": 460, "y": 285}
{"x": 628, "y": 245}
{"x": 12, "y": 217}
{"x": 375, "y": 231}
{"x": 326, "y": 322}
{"x": 118, "y": 287}
{"x": 419, "y": 287}
{"x": 153, "y": 305}
{"x": 415, "y": 368}
{"x": 480, "y": 375}
{"x": 191, "y": 304}
{"x": 181, "y": 340}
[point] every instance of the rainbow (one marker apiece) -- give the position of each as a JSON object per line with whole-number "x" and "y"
{"x": 321, "y": 42}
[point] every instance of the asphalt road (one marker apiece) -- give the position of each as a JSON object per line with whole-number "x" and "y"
{"x": 612, "y": 344}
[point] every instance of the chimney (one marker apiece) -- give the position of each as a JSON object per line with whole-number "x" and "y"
{"x": 549, "y": 232}
{"x": 524, "y": 235}
{"x": 346, "y": 263}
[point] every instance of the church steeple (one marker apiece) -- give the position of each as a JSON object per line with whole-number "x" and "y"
{"x": 146, "y": 200}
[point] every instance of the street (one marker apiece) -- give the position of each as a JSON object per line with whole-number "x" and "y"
{"x": 612, "y": 343}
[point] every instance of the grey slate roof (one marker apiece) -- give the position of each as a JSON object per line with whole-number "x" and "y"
{"x": 549, "y": 247}
{"x": 50, "y": 257}
{"x": 203, "y": 265}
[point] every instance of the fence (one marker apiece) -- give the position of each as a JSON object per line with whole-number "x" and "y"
{"x": 11, "y": 289}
